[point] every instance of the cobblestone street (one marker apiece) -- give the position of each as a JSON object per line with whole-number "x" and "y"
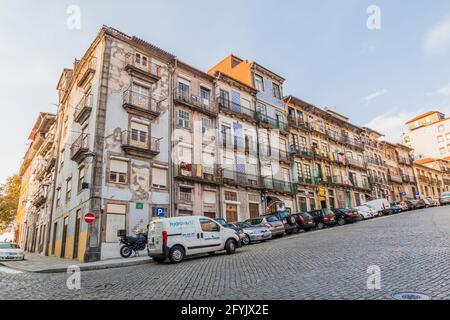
{"x": 412, "y": 249}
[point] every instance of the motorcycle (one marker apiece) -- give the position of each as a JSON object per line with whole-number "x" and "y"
{"x": 130, "y": 244}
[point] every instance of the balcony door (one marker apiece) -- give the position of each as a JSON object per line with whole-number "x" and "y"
{"x": 139, "y": 135}
{"x": 140, "y": 96}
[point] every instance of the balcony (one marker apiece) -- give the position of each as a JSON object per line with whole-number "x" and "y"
{"x": 39, "y": 198}
{"x": 285, "y": 156}
{"x": 354, "y": 143}
{"x": 87, "y": 70}
{"x": 41, "y": 170}
{"x": 206, "y": 106}
{"x": 321, "y": 155}
{"x": 302, "y": 152}
{"x": 235, "y": 109}
{"x": 305, "y": 181}
{"x": 280, "y": 186}
{"x": 272, "y": 123}
{"x": 298, "y": 123}
{"x": 408, "y": 179}
{"x": 340, "y": 181}
{"x": 395, "y": 178}
{"x": 142, "y": 69}
{"x": 137, "y": 144}
{"x": 376, "y": 180}
{"x": 241, "y": 179}
{"x": 363, "y": 185}
{"x": 83, "y": 109}
{"x": 197, "y": 173}
{"x": 79, "y": 148}
{"x": 423, "y": 179}
{"x": 356, "y": 163}
{"x": 375, "y": 161}
{"x": 238, "y": 145}
{"x": 337, "y": 137}
{"x": 140, "y": 104}
{"x": 404, "y": 161}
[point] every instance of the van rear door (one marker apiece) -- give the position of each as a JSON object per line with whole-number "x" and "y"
{"x": 155, "y": 237}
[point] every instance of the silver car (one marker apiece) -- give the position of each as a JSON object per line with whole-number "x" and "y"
{"x": 253, "y": 233}
{"x": 270, "y": 221}
{"x": 445, "y": 198}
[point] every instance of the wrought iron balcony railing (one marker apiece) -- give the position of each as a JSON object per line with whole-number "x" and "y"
{"x": 273, "y": 123}
{"x": 83, "y": 109}
{"x": 243, "y": 179}
{"x": 204, "y": 105}
{"x": 236, "y": 109}
{"x": 141, "y": 104}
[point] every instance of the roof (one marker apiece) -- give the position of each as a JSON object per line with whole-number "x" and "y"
{"x": 446, "y": 159}
{"x": 425, "y": 160}
{"x": 422, "y": 116}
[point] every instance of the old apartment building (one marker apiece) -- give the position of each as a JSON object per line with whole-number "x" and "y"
{"x": 140, "y": 135}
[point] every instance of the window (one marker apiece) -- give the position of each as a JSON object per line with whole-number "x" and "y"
{"x": 183, "y": 89}
{"x": 159, "y": 178}
{"x": 81, "y": 174}
{"x": 115, "y": 220}
{"x": 118, "y": 171}
{"x": 140, "y": 95}
{"x": 224, "y": 97}
{"x": 230, "y": 196}
{"x": 276, "y": 91}
{"x": 209, "y": 225}
{"x": 205, "y": 96}
{"x": 209, "y": 197}
{"x": 58, "y": 196}
{"x": 206, "y": 125}
{"x": 68, "y": 189}
{"x": 307, "y": 169}
{"x": 183, "y": 119}
{"x": 442, "y": 150}
{"x": 299, "y": 170}
{"x": 61, "y": 159}
{"x": 440, "y": 138}
{"x": 66, "y": 127}
{"x": 185, "y": 194}
{"x": 259, "y": 83}
{"x": 141, "y": 59}
{"x": 441, "y": 128}
{"x": 139, "y": 134}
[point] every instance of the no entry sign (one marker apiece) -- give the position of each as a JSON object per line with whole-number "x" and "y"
{"x": 89, "y": 217}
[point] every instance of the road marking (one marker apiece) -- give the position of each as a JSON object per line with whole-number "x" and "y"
{"x": 8, "y": 270}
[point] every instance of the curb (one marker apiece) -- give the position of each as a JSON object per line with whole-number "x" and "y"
{"x": 83, "y": 268}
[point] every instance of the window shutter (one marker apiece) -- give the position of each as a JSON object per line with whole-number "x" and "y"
{"x": 159, "y": 177}
{"x": 209, "y": 197}
{"x": 139, "y": 126}
{"x": 119, "y": 166}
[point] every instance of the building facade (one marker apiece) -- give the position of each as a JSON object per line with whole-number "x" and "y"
{"x": 429, "y": 135}
{"x": 141, "y": 135}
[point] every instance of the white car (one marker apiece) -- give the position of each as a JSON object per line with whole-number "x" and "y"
{"x": 176, "y": 238}
{"x": 366, "y": 212}
{"x": 381, "y": 206}
{"x": 10, "y": 252}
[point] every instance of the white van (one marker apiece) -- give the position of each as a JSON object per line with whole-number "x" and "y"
{"x": 176, "y": 238}
{"x": 381, "y": 206}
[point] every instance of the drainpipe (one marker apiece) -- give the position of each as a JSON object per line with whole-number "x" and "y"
{"x": 171, "y": 140}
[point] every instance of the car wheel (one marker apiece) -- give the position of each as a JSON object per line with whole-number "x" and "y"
{"x": 230, "y": 246}
{"x": 159, "y": 259}
{"x": 341, "y": 221}
{"x": 380, "y": 214}
{"x": 212, "y": 253}
{"x": 246, "y": 240}
{"x": 290, "y": 231}
{"x": 320, "y": 225}
{"x": 176, "y": 254}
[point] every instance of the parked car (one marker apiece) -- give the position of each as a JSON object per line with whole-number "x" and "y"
{"x": 274, "y": 224}
{"x": 253, "y": 233}
{"x": 288, "y": 220}
{"x": 403, "y": 205}
{"x": 344, "y": 215}
{"x": 225, "y": 224}
{"x": 410, "y": 204}
{"x": 431, "y": 201}
{"x": 176, "y": 238}
{"x": 444, "y": 199}
{"x": 366, "y": 212}
{"x": 304, "y": 221}
{"x": 417, "y": 204}
{"x": 323, "y": 218}
{"x": 395, "y": 208}
{"x": 10, "y": 252}
{"x": 381, "y": 206}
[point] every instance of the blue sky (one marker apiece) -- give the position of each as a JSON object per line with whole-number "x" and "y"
{"x": 323, "y": 48}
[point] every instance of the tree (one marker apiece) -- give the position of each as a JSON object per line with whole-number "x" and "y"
{"x": 9, "y": 199}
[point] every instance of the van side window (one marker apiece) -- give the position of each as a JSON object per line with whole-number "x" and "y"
{"x": 209, "y": 226}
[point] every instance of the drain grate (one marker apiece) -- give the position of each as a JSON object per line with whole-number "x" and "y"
{"x": 410, "y": 296}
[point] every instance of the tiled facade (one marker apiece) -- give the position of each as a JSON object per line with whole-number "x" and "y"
{"x": 139, "y": 134}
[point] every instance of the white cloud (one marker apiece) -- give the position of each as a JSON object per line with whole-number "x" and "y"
{"x": 445, "y": 91}
{"x": 375, "y": 95}
{"x": 392, "y": 123}
{"x": 437, "y": 40}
